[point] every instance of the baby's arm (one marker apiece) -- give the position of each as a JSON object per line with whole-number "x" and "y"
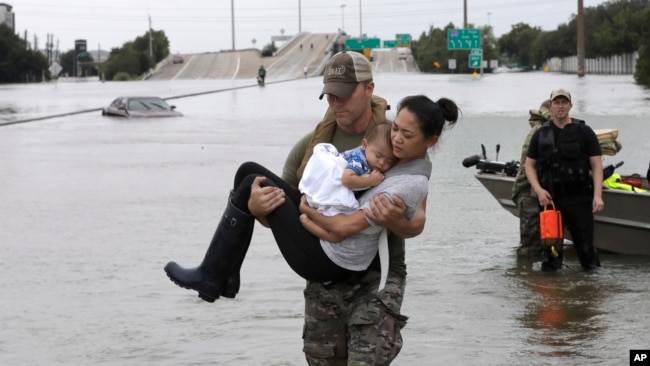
{"x": 351, "y": 180}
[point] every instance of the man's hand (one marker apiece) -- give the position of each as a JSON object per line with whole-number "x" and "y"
{"x": 263, "y": 200}
{"x": 598, "y": 204}
{"x": 544, "y": 197}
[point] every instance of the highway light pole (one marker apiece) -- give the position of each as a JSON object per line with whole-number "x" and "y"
{"x": 360, "y": 25}
{"x": 299, "y": 19}
{"x": 581, "y": 39}
{"x": 232, "y": 17}
{"x": 342, "y": 17}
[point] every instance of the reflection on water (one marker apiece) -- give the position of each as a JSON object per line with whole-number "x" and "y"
{"x": 562, "y": 311}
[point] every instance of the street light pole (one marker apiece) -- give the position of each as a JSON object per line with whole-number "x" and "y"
{"x": 342, "y": 17}
{"x": 299, "y": 19}
{"x": 232, "y": 16}
{"x": 464, "y": 13}
{"x": 360, "y": 25}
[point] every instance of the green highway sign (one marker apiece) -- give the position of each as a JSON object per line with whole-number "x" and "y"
{"x": 362, "y": 43}
{"x": 463, "y": 39}
{"x": 389, "y": 44}
{"x": 475, "y": 61}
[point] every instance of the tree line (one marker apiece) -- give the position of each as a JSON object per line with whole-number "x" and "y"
{"x": 17, "y": 63}
{"x": 612, "y": 28}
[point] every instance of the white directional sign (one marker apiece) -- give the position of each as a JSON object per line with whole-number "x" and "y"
{"x": 55, "y": 69}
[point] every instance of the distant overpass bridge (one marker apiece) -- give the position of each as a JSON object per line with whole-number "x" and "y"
{"x": 304, "y": 49}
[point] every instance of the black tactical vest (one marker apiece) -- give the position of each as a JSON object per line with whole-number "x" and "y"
{"x": 563, "y": 167}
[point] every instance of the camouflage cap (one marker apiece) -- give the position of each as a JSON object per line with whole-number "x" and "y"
{"x": 343, "y": 72}
{"x": 561, "y": 93}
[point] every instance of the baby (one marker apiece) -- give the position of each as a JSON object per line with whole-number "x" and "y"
{"x": 330, "y": 178}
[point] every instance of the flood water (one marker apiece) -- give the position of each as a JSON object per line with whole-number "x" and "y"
{"x": 93, "y": 207}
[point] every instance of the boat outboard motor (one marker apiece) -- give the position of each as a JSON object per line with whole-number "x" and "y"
{"x": 609, "y": 170}
{"x": 470, "y": 161}
{"x": 486, "y": 165}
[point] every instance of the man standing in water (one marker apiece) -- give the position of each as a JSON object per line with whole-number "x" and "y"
{"x": 349, "y": 321}
{"x": 524, "y": 196}
{"x": 560, "y": 157}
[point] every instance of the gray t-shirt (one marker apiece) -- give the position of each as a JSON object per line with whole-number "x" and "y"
{"x": 409, "y": 181}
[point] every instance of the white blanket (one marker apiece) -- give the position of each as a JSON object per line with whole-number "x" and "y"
{"x": 321, "y": 182}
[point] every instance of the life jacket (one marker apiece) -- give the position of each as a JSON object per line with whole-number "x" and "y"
{"x": 615, "y": 182}
{"x": 562, "y": 164}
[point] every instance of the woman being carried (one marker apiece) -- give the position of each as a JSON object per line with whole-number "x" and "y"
{"x": 345, "y": 248}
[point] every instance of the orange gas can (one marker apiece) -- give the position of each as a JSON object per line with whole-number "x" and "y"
{"x": 551, "y": 228}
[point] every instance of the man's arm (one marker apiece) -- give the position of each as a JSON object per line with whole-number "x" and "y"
{"x": 531, "y": 173}
{"x": 596, "y": 163}
{"x": 263, "y": 200}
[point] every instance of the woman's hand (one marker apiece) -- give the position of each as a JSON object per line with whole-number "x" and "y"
{"x": 263, "y": 200}
{"x": 393, "y": 216}
{"x": 384, "y": 212}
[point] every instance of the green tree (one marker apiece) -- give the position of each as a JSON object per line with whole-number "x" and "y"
{"x": 642, "y": 73}
{"x": 17, "y": 63}
{"x": 269, "y": 49}
{"x": 430, "y": 51}
{"x": 66, "y": 60}
{"x": 517, "y": 46}
{"x": 489, "y": 43}
{"x": 133, "y": 57}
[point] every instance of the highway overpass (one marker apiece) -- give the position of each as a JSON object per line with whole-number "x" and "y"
{"x": 305, "y": 49}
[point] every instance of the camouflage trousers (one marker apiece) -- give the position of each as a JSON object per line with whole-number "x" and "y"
{"x": 529, "y": 238}
{"x": 350, "y": 323}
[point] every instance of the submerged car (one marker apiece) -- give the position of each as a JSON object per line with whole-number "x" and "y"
{"x": 140, "y": 107}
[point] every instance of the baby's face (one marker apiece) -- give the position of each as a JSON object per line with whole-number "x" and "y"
{"x": 379, "y": 155}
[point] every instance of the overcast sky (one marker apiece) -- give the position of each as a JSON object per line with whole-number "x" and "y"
{"x": 206, "y": 25}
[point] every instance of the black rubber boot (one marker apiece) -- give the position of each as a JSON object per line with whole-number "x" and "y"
{"x": 231, "y": 287}
{"x": 551, "y": 262}
{"x": 223, "y": 257}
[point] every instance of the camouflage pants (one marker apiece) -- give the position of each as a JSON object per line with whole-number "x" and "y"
{"x": 349, "y": 323}
{"x": 529, "y": 237}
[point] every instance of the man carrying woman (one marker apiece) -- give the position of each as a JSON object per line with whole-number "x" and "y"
{"x": 346, "y": 319}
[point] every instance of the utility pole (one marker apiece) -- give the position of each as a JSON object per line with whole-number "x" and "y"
{"x": 232, "y": 16}
{"x": 581, "y": 39}
{"x": 150, "y": 40}
{"x": 464, "y": 13}
{"x": 360, "y": 25}
{"x": 299, "y": 19}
